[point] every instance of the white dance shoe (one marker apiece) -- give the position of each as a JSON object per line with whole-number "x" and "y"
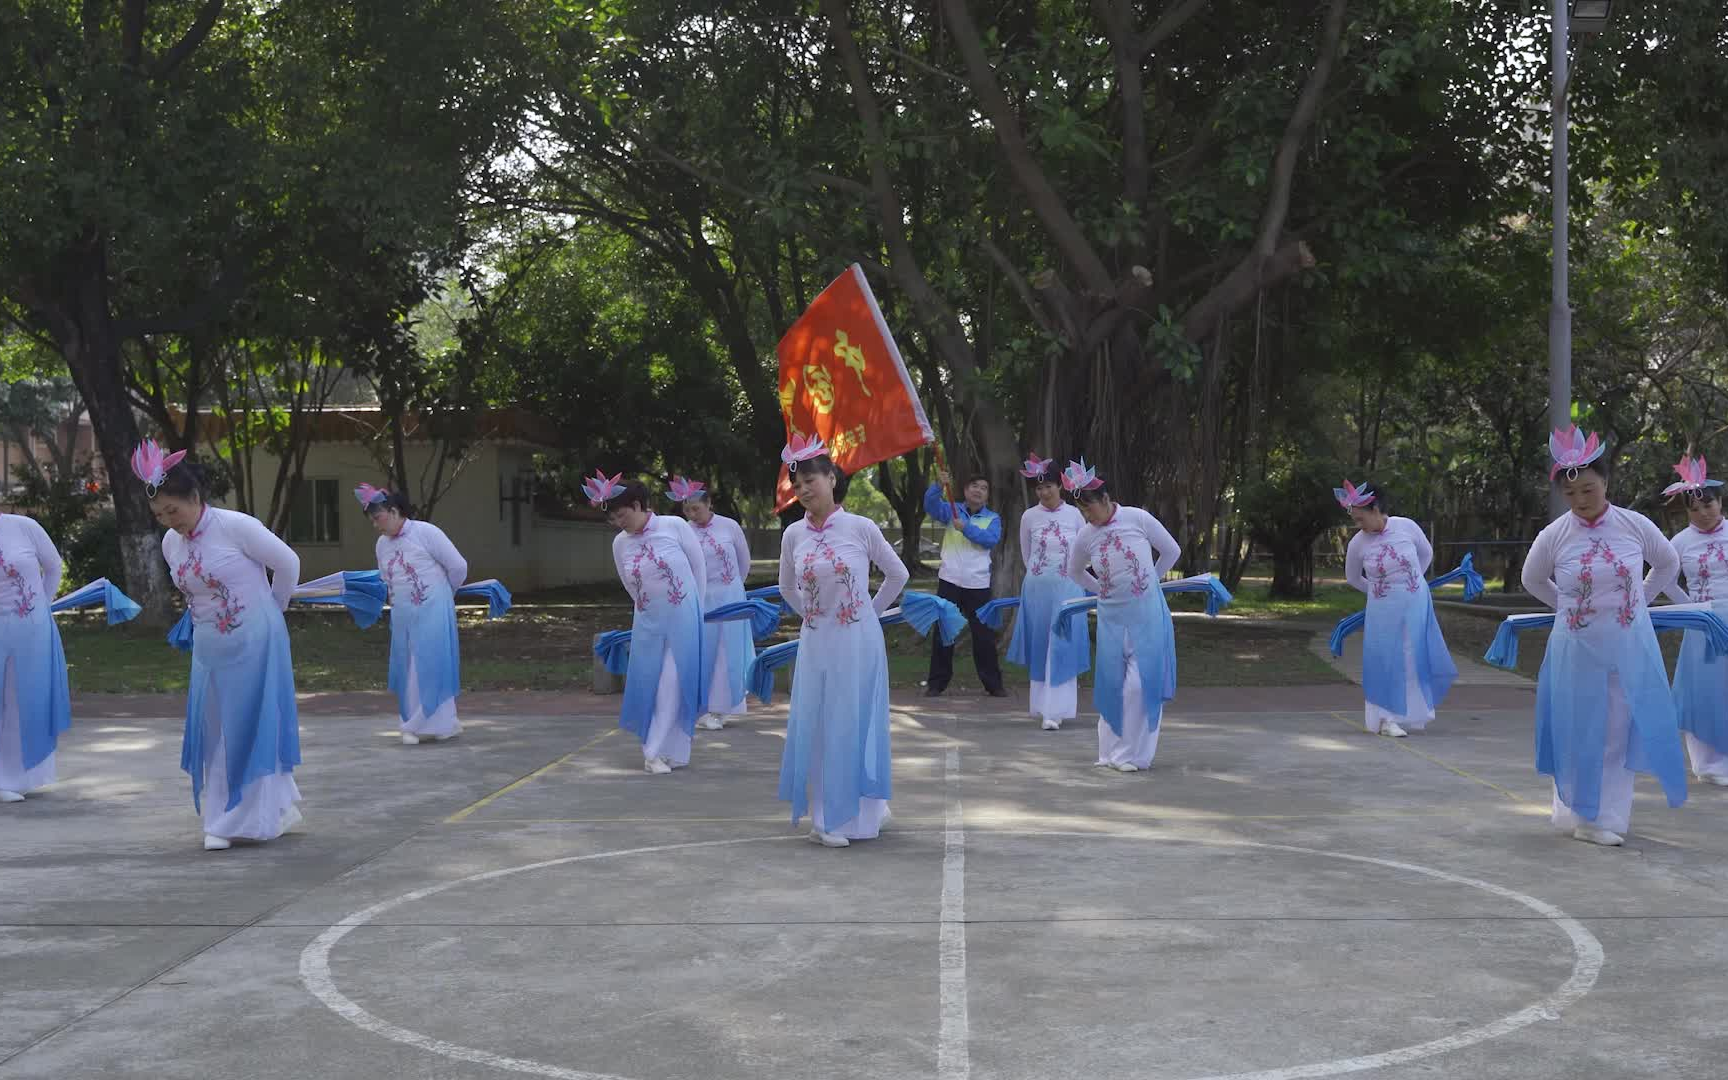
{"x": 1708, "y": 778}
{"x": 1052, "y": 725}
{"x": 1126, "y": 766}
{"x": 216, "y": 843}
{"x": 410, "y": 740}
{"x": 11, "y": 796}
{"x": 828, "y": 839}
{"x": 1391, "y": 728}
{"x": 711, "y": 722}
{"x": 656, "y": 766}
{"x": 1590, "y": 834}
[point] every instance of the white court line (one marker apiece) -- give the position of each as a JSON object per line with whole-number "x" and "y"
{"x": 953, "y": 1057}
{"x": 1587, "y": 953}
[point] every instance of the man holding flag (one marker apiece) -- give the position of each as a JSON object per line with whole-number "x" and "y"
{"x": 964, "y": 579}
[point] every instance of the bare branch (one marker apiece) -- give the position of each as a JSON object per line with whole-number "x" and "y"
{"x": 1064, "y": 231}
{"x": 189, "y": 43}
{"x": 1296, "y": 131}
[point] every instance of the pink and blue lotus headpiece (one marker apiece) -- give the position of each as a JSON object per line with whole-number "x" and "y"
{"x": 1351, "y": 497}
{"x": 368, "y": 496}
{"x": 150, "y": 463}
{"x": 1078, "y": 477}
{"x": 1572, "y": 451}
{"x": 682, "y": 490}
{"x": 1692, "y": 477}
{"x": 602, "y": 489}
{"x": 1037, "y": 468}
{"x": 802, "y": 448}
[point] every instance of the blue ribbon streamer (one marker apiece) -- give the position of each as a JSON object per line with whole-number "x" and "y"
{"x": 1503, "y": 653}
{"x": 118, "y": 606}
{"x": 764, "y": 616}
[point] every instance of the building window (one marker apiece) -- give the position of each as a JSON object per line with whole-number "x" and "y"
{"x": 315, "y": 514}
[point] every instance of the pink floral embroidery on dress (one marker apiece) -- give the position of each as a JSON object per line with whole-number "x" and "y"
{"x": 645, "y": 553}
{"x": 1041, "y": 548}
{"x": 810, "y": 584}
{"x": 1138, "y": 578}
{"x": 1578, "y": 616}
{"x": 400, "y": 566}
{"x": 715, "y": 549}
{"x": 26, "y": 602}
{"x": 1700, "y": 581}
{"x": 1383, "y": 577}
{"x": 228, "y": 606}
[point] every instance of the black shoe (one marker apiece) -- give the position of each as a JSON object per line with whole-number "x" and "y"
{"x": 933, "y": 691}
{"x": 996, "y": 691}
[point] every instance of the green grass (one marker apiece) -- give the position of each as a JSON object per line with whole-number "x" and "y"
{"x": 545, "y": 643}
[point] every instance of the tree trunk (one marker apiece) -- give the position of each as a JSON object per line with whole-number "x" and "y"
{"x": 907, "y": 499}
{"x": 93, "y": 356}
{"x": 1293, "y": 573}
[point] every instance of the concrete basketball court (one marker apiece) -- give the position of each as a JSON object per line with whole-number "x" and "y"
{"x": 1282, "y": 896}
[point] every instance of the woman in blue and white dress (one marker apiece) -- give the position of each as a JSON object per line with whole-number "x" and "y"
{"x": 1701, "y": 687}
{"x": 1604, "y": 710}
{"x": 1406, "y": 668}
{"x": 242, "y": 737}
{"x": 1047, "y": 534}
{"x": 1121, "y": 555}
{"x": 660, "y": 563}
{"x": 727, "y": 647}
{"x": 422, "y": 569}
{"x": 837, "y": 761}
{"x": 35, "y": 705}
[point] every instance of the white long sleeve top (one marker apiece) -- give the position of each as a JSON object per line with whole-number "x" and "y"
{"x": 825, "y": 570}
{"x": 1124, "y": 558}
{"x": 1047, "y": 539}
{"x": 220, "y": 567}
{"x": 1395, "y": 558}
{"x": 1703, "y": 563}
{"x": 662, "y": 563}
{"x": 418, "y": 552}
{"x": 1586, "y": 569}
{"x": 725, "y": 549}
{"x": 29, "y": 566}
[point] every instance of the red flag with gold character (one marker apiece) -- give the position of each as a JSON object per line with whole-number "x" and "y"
{"x": 842, "y": 378}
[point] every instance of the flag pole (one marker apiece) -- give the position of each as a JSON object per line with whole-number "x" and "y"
{"x": 942, "y": 466}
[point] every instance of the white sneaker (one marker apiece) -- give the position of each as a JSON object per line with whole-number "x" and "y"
{"x": 1709, "y": 778}
{"x": 410, "y": 740}
{"x": 711, "y": 722}
{"x": 656, "y": 766}
{"x": 1391, "y": 728}
{"x": 11, "y": 796}
{"x": 827, "y": 839}
{"x": 216, "y": 843}
{"x": 1590, "y": 834}
{"x": 1052, "y": 725}
{"x": 1126, "y": 766}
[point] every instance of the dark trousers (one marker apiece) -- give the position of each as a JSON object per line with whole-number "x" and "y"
{"x": 983, "y": 640}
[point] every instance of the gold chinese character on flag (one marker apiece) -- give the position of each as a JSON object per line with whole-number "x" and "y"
{"x": 843, "y": 333}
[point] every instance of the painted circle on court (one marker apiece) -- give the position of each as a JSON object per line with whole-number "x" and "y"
{"x": 1586, "y": 966}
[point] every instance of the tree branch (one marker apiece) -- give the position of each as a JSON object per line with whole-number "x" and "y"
{"x": 132, "y": 33}
{"x": 189, "y": 43}
{"x": 1064, "y": 231}
{"x": 1296, "y": 132}
{"x": 1017, "y": 281}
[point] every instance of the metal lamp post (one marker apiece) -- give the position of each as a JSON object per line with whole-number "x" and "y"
{"x": 1570, "y": 17}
